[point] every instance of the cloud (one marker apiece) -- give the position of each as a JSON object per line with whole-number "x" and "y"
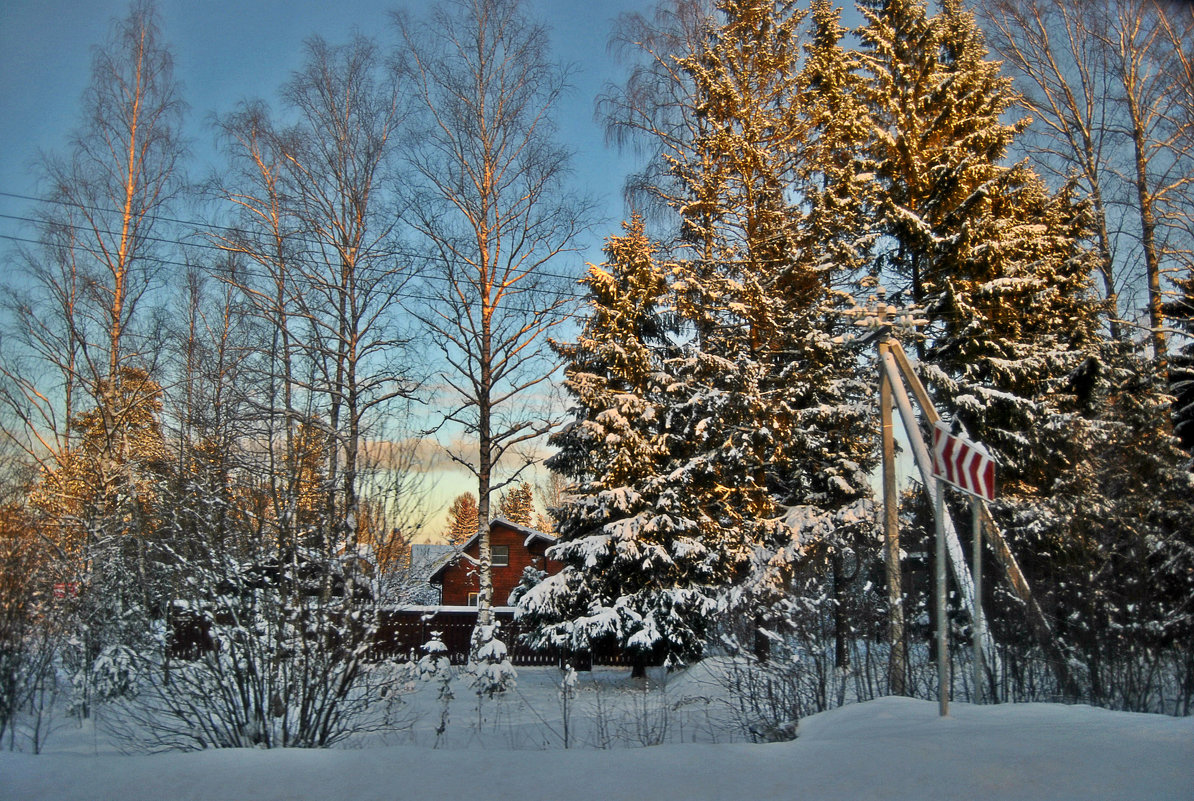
{"x": 410, "y": 454}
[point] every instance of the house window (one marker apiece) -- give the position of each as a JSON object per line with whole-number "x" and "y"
{"x": 472, "y": 599}
{"x": 501, "y": 555}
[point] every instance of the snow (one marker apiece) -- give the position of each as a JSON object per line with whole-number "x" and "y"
{"x": 890, "y": 748}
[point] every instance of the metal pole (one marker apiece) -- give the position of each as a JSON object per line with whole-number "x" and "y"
{"x": 942, "y": 625}
{"x": 977, "y": 612}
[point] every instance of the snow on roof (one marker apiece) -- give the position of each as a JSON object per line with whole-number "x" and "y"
{"x": 426, "y": 558}
{"x": 529, "y": 534}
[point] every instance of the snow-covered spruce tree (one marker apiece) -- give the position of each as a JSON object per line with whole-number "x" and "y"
{"x": 1014, "y": 349}
{"x": 753, "y": 355}
{"x": 436, "y": 666}
{"x": 833, "y": 174}
{"x": 985, "y": 248}
{"x": 98, "y": 505}
{"x": 822, "y": 482}
{"x": 993, "y": 256}
{"x": 777, "y": 441}
{"x": 937, "y": 137}
{"x": 1110, "y": 546}
{"x": 637, "y": 570}
{"x": 725, "y": 408}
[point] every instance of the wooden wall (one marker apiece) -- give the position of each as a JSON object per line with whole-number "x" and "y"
{"x": 460, "y": 578}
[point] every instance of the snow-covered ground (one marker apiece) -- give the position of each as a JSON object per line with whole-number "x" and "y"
{"x": 891, "y": 748}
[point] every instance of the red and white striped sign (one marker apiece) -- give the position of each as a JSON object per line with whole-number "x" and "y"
{"x": 963, "y": 463}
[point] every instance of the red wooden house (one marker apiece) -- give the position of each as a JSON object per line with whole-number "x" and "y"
{"x": 513, "y": 547}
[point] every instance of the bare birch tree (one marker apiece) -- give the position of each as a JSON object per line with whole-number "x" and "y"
{"x": 316, "y": 223}
{"x": 490, "y": 201}
{"x": 95, "y": 267}
{"x": 349, "y": 107}
{"x": 1102, "y": 83}
{"x": 653, "y": 111}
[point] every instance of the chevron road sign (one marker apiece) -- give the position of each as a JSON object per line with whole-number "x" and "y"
{"x": 963, "y": 463}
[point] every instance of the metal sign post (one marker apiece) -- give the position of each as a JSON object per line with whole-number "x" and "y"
{"x": 942, "y": 610}
{"x": 897, "y": 667}
{"x": 968, "y": 466}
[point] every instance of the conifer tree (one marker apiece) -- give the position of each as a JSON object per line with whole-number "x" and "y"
{"x": 754, "y": 384}
{"x": 1014, "y": 349}
{"x": 993, "y": 255}
{"x": 462, "y": 519}
{"x": 1181, "y": 362}
{"x": 833, "y": 174}
{"x": 637, "y": 570}
{"x": 775, "y": 418}
{"x": 518, "y": 505}
{"x": 98, "y": 503}
{"x": 1110, "y": 544}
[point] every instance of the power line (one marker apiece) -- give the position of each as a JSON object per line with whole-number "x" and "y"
{"x": 400, "y": 294}
{"x": 210, "y": 227}
{"x": 207, "y": 228}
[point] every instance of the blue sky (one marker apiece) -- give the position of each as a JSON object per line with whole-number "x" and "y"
{"x": 228, "y": 50}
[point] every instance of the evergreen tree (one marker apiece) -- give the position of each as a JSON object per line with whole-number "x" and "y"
{"x": 738, "y": 291}
{"x": 637, "y": 570}
{"x": 994, "y": 257}
{"x": 99, "y": 504}
{"x": 834, "y": 174}
{"x": 761, "y": 444}
{"x": 518, "y": 505}
{"x": 462, "y": 519}
{"x": 1090, "y": 493}
{"x": 1181, "y": 362}
{"x": 1110, "y": 546}
{"x": 775, "y": 415}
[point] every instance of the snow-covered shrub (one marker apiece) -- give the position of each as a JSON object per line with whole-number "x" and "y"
{"x": 764, "y": 698}
{"x": 115, "y": 673}
{"x": 436, "y": 666}
{"x": 650, "y": 717}
{"x": 567, "y": 697}
{"x": 491, "y": 672}
{"x": 283, "y": 663}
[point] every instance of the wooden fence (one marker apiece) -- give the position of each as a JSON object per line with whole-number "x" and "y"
{"x": 400, "y": 635}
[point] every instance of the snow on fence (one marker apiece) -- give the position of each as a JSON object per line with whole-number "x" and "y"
{"x": 403, "y": 631}
{"x": 399, "y": 633}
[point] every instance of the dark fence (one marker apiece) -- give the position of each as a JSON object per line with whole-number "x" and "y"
{"x": 400, "y": 635}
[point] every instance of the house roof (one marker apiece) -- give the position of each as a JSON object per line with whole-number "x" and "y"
{"x": 426, "y": 558}
{"x": 529, "y": 534}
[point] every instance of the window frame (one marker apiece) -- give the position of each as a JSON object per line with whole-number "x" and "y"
{"x": 494, "y": 550}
